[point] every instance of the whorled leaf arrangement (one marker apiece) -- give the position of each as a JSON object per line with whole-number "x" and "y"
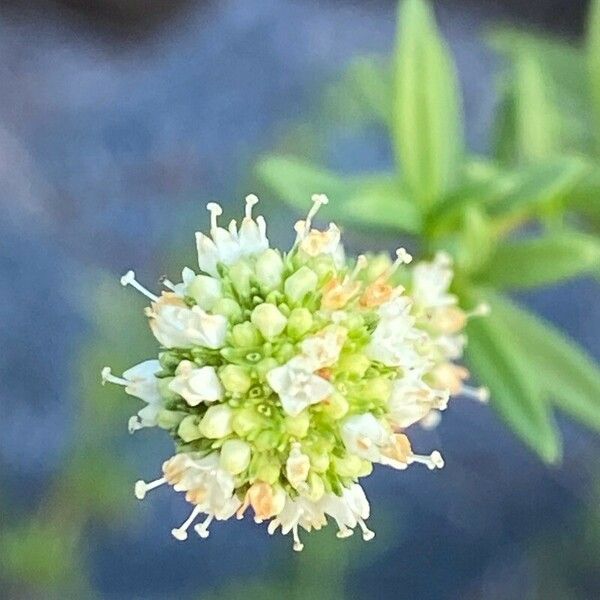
{"x": 284, "y": 376}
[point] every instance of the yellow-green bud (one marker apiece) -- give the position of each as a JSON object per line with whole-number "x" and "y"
{"x": 235, "y": 456}
{"x": 216, "y": 422}
{"x": 336, "y": 406}
{"x": 354, "y": 364}
{"x": 301, "y": 283}
{"x": 266, "y": 440}
{"x": 376, "y": 266}
{"x": 188, "y": 429}
{"x": 164, "y": 390}
{"x": 269, "y": 269}
{"x": 245, "y": 335}
{"x": 366, "y": 468}
{"x": 316, "y": 487}
{"x": 378, "y": 389}
{"x": 264, "y": 366}
{"x": 348, "y": 466}
{"x": 268, "y": 320}
{"x": 319, "y": 462}
{"x": 168, "y": 419}
{"x": 228, "y": 308}
{"x": 235, "y": 379}
{"x": 268, "y": 471}
{"x": 323, "y": 266}
{"x": 299, "y": 322}
{"x": 245, "y": 421}
{"x": 204, "y": 290}
{"x": 298, "y": 425}
{"x": 240, "y": 274}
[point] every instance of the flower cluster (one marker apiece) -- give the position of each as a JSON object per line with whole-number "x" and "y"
{"x": 283, "y": 377}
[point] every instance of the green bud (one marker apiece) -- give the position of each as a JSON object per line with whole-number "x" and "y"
{"x": 235, "y": 456}
{"x": 268, "y": 320}
{"x": 228, "y": 308}
{"x": 268, "y": 471}
{"x": 286, "y": 352}
{"x": 188, "y": 429}
{"x": 164, "y": 390}
{"x": 245, "y": 421}
{"x": 323, "y": 266}
{"x": 266, "y": 440}
{"x": 168, "y": 419}
{"x": 264, "y": 366}
{"x": 169, "y": 360}
{"x": 348, "y": 466}
{"x": 300, "y": 284}
{"x": 354, "y": 364}
{"x": 216, "y": 422}
{"x": 205, "y": 291}
{"x": 336, "y": 406}
{"x": 245, "y": 335}
{"x": 378, "y": 389}
{"x": 376, "y": 266}
{"x": 298, "y": 425}
{"x": 316, "y": 487}
{"x": 366, "y": 468}
{"x": 269, "y": 269}
{"x": 240, "y": 275}
{"x": 319, "y": 462}
{"x": 235, "y": 379}
{"x": 299, "y": 323}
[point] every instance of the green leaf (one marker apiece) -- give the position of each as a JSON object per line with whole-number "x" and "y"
{"x": 372, "y": 200}
{"x": 563, "y": 371}
{"x": 542, "y": 261}
{"x": 514, "y": 395}
{"x": 427, "y": 128}
{"x": 593, "y": 59}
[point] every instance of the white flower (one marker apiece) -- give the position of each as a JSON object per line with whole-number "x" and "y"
{"x": 175, "y": 325}
{"x": 412, "y": 399}
{"x": 297, "y": 467}
{"x": 196, "y": 384}
{"x": 365, "y": 436}
{"x": 297, "y": 386}
{"x": 253, "y": 234}
{"x": 187, "y": 276}
{"x": 140, "y": 381}
{"x": 323, "y": 349}
{"x": 348, "y": 510}
{"x": 431, "y": 281}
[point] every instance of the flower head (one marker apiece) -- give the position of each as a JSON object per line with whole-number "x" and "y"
{"x": 283, "y": 377}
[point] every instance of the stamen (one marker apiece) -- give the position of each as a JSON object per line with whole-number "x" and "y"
{"x": 129, "y": 279}
{"x": 481, "y": 394}
{"x": 403, "y": 257}
{"x": 361, "y": 263}
{"x": 367, "y": 533}
{"x": 169, "y": 284}
{"x": 272, "y": 526}
{"x": 215, "y": 210}
{"x": 251, "y": 200}
{"x": 433, "y": 461}
{"x": 318, "y": 201}
{"x": 344, "y": 532}
{"x": 107, "y": 376}
{"x": 298, "y": 545}
{"x": 202, "y": 528}
{"x": 142, "y": 488}
{"x": 180, "y": 533}
{"x": 134, "y": 424}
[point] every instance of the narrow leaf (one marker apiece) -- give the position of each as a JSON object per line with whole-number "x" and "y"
{"x": 562, "y": 369}
{"x": 427, "y": 129}
{"x": 543, "y": 261}
{"x": 491, "y": 355}
{"x": 372, "y": 200}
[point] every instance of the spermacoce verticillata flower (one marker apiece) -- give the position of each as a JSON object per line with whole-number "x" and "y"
{"x": 283, "y": 377}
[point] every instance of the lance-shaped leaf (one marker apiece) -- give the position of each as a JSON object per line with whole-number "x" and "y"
{"x": 372, "y": 200}
{"x": 542, "y": 261}
{"x": 514, "y": 393}
{"x": 427, "y": 128}
{"x": 562, "y": 370}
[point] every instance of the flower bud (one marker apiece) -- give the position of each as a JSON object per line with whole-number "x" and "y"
{"x": 164, "y": 390}
{"x": 169, "y": 360}
{"x": 269, "y": 269}
{"x": 235, "y": 379}
{"x": 204, "y": 290}
{"x": 268, "y": 320}
{"x": 354, "y": 364}
{"x": 216, "y": 422}
{"x": 316, "y": 488}
{"x": 319, "y": 461}
{"x": 264, "y": 366}
{"x": 299, "y": 323}
{"x": 302, "y": 282}
{"x": 267, "y": 469}
{"x": 376, "y": 266}
{"x": 297, "y": 466}
{"x": 348, "y": 466}
{"x": 336, "y": 406}
{"x": 366, "y": 468}
{"x": 298, "y": 425}
{"x": 266, "y": 440}
{"x": 235, "y": 456}
{"x": 246, "y": 420}
{"x": 245, "y": 335}
{"x": 378, "y": 389}
{"x": 188, "y": 429}
{"x": 228, "y": 308}
{"x": 168, "y": 419}
{"x": 240, "y": 275}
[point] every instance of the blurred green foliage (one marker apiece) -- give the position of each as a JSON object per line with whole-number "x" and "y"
{"x": 518, "y": 219}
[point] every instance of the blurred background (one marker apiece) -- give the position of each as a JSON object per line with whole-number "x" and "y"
{"x": 119, "y": 120}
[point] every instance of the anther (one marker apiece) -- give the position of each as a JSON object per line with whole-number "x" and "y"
{"x": 215, "y": 210}
{"x": 367, "y": 533}
{"x": 180, "y": 533}
{"x": 129, "y": 279}
{"x": 202, "y": 528}
{"x": 142, "y": 488}
{"x": 251, "y": 200}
